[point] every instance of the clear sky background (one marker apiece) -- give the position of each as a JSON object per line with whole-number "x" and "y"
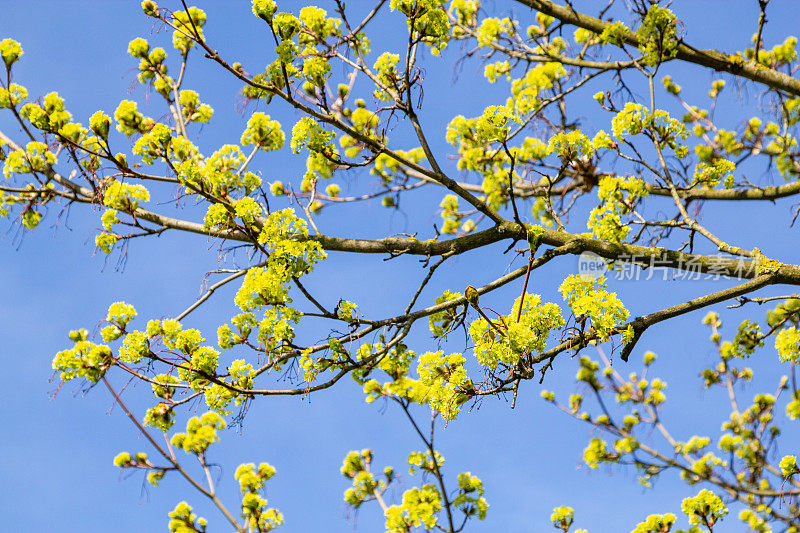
{"x": 56, "y": 449}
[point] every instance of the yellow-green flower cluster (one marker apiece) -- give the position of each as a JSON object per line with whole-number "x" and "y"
{"x": 525, "y": 91}
{"x": 419, "y": 509}
{"x": 492, "y": 71}
{"x": 705, "y": 508}
{"x": 602, "y": 140}
{"x": 591, "y": 299}
{"x": 317, "y": 26}
{"x": 153, "y": 144}
{"x": 396, "y": 364}
{"x": 618, "y": 197}
{"x": 347, "y": 311}
{"x": 10, "y": 51}
{"x": 263, "y": 132}
{"x": 193, "y": 110}
{"x": 219, "y": 395}
{"x": 441, "y": 321}
{"x": 465, "y": 12}
{"x": 562, "y": 517}
{"x": 710, "y": 174}
{"x": 507, "y": 339}
{"x": 635, "y": 119}
{"x": 152, "y": 68}
{"x": 124, "y": 196}
{"x": 261, "y": 287}
{"x": 129, "y": 119}
{"x": 84, "y": 360}
{"x": 201, "y": 432}
{"x": 307, "y": 133}
{"x": 254, "y": 507}
{"x": 100, "y": 123}
{"x": 35, "y": 158}
{"x": 12, "y": 96}
{"x": 356, "y": 467}
{"x": 745, "y": 342}
{"x": 788, "y": 466}
{"x": 427, "y": 22}
{"x": 291, "y": 255}
{"x": 787, "y": 342}
{"x": 50, "y": 116}
{"x": 491, "y": 29}
{"x": 450, "y": 214}
{"x": 183, "y": 520}
{"x": 446, "y": 381}
{"x": 571, "y": 146}
{"x": 188, "y": 25}
{"x": 162, "y": 386}
{"x": 386, "y": 166}
{"x": 220, "y": 174}
{"x": 656, "y": 523}
{"x": 596, "y": 452}
{"x": 386, "y": 72}
{"x": 780, "y": 54}
{"x": 492, "y": 126}
{"x": 671, "y": 86}
{"x": 614, "y": 33}
{"x": 470, "y": 498}
{"x": 264, "y": 9}
{"x": 657, "y": 35}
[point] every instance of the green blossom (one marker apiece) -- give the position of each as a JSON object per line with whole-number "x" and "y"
{"x": 316, "y": 70}
{"x": 129, "y": 119}
{"x": 134, "y": 347}
{"x": 248, "y": 210}
{"x": 788, "y": 466}
{"x": 10, "y": 51}
{"x": 263, "y": 132}
{"x": 35, "y": 158}
{"x": 711, "y": 174}
{"x": 139, "y": 48}
{"x": 122, "y": 460}
{"x": 161, "y": 386}
{"x": 419, "y": 509}
{"x": 446, "y": 380}
{"x": 105, "y": 242}
{"x": 201, "y": 432}
{"x": 182, "y": 519}
{"x": 656, "y": 523}
{"x": 347, "y": 311}
{"x": 307, "y": 133}
{"x": 317, "y": 26}
{"x": 787, "y": 342}
{"x": 614, "y": 33}
{"x": 706, "y": 508}
{"x": 657, "y": 35}
{"x": 491, "y": 29}
{"x": 562, "y": 517}
{"x": 385, "y": 68}
{"x": 264, "y": 9}
{"x": 596, "y": 453}
{"x": 507, "y": 339}
{"x": 618, "y": 196}
{"x": 188, "y": 24}
{"x": 571, "y": 146}
{"x": 591, "y": 299}
{"x": 192, "y": 109}
{"x": 670, "y": 86}
{"x": 124, "y": 196}
{"x": 12, "y": 96}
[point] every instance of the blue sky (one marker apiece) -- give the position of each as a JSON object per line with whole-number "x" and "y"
{"x": 57, "y": 448}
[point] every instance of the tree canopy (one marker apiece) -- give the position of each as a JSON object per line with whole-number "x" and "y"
{"x": 461, "y": 158}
